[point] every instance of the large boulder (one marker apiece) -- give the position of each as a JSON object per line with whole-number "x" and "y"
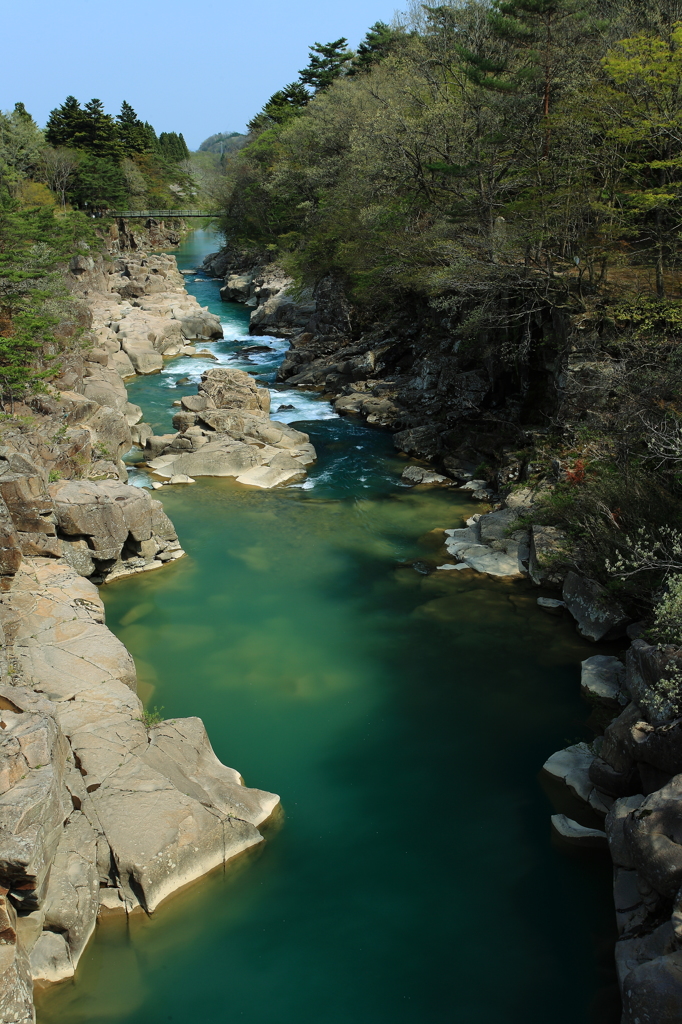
{"x": 653, "y": 833}
{"x": 234, "y": 389}
{"x": 143, "y": 356}
{"x": 237, "y": 288}
{"x": 282, "y": 314}
{"x": 85, "y": 509}
{"x": 602, "y": 679}
{"x": 161, "y": 838}
{"x": 652, "y": 992}
{"x": 180, "y": 749}
{"x": 599, "y": 617}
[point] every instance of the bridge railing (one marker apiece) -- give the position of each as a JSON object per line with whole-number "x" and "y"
{"x": 161, "y": 213}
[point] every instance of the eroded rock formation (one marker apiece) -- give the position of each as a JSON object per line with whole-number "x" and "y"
{"x": 225, "y": 430}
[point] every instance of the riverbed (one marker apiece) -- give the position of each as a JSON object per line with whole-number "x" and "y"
{"x": 401, "y": 713}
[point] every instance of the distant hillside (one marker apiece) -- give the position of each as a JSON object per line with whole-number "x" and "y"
{"x": 223, "y": 142}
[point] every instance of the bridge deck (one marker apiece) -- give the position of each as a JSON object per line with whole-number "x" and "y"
{"x": 161, "y": 213}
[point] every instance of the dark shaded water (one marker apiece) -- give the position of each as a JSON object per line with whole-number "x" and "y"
{"x": 402, "y": 717}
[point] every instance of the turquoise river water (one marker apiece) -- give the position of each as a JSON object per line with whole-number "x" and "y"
{"x": 402, "y": 715}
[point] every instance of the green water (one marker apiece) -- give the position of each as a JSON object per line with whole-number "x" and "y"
{"x": 401, "y": 714}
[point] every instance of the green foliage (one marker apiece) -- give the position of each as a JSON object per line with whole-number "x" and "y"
{"x": 380, "y": 41}
{"x": 328, "y": 61}
{"x": 98, "y": 182}
{"x": 53, "y": 476}
{"x": 150, "y": 718}
{"x": 33, "y": 301}
{"x": 666, "y": 627}
{"x": 173, "y": 147}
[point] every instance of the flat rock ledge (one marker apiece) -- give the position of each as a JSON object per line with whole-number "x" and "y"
{"x": 97, "y": 812}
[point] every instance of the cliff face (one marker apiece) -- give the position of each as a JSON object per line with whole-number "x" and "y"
{"x": 95, "y": 807}
{"x": 131, "y": 235}
{"x": 458, "y": 388}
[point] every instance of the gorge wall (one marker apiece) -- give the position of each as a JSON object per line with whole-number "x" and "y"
{"x": 100, "y": 810}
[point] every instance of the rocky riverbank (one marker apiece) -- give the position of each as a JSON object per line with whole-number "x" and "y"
{"x": 458, "y": 415}
{"x": 100, "y": 810}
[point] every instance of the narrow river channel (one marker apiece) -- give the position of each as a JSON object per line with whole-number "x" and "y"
{"x": 402, "y": 715}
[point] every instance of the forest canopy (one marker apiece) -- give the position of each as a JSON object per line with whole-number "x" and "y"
{"x": 475, "y": 137}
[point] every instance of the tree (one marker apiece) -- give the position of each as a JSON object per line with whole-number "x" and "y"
{"x": 538, "y": 27}
{"x": 173, "y": 147}
{"x": 59, "y": 166}
{"x": 21, "y": 144}
{"x": 65, "y": 125}
{"x": 134, "y": 136}
{"x": 98, "y": 183}
{"x": 100, "y": 134}
{"x": 281, "y": 107}
{"x": 642, "y": 117}
{"x": 380, "y": 40}
{"x": 327, "y": 62}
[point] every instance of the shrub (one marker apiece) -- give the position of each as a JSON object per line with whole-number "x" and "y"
{"x": 150, "y": 718}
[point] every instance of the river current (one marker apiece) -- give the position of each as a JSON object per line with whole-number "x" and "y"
{"x": 402, "y": 714}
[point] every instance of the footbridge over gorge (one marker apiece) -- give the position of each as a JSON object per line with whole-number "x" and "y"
{"x": 162, "y": 214}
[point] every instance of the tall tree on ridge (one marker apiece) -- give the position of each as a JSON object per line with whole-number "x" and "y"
{"x": 538, "y": 28}
{"x": 328, "y": 61}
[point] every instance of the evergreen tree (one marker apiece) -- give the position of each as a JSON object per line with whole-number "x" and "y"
{"x": 173, "y": 147}
{"x": 133, "y": 134}
{"x": 328, "y": 61}
{"x": 99, "y": 182}
{"x": 65, "y": 125}
{"x": 379, "y": 41}
{"x": 281, "y": 107}
{"x": 100, "y": 134}
{"x": 538, "y": 28}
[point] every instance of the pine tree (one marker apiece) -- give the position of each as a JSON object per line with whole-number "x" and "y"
{"x": 66, "y": 125}
{"x": 132, "y": 133}
{"x": 538, "y": 27}
{"x": 328, "y": 61}
{"x": 379, "y": 42}
{"x": 100, "y": 132}
{"x": 173, "y": 147}
{"x": 281, "y": 107}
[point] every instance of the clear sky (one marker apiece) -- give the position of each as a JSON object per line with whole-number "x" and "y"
{"x": 195, "y": 68}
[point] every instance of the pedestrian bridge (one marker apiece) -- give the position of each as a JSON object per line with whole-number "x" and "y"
{"x": 161, "y": 214}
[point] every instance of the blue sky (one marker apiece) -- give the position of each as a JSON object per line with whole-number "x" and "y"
{"x": 196, "y": 68}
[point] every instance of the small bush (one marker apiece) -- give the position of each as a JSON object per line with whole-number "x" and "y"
{"x": 54, "y": 476}
{"x": 151, "y": 717}
{"x": 667, "y": 624}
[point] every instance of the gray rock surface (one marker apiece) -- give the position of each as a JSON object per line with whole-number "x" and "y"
{"x": 652, "y": 992}
{"x": 16, "y": 988}
{"x": 598, "y": 616}
{"x": 571, "y": 766}
{"x": 573, "y": 834}
{"x": 602, "y": 679}
{"x": 653, "y": 833}
{"x": 230, "y": 434}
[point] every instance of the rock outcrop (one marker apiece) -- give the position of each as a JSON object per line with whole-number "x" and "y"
{"x": 96, "y": 809}
{"x": 225, "y": 430}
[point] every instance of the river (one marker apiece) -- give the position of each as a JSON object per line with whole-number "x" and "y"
{"x": 402, "y": 715}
